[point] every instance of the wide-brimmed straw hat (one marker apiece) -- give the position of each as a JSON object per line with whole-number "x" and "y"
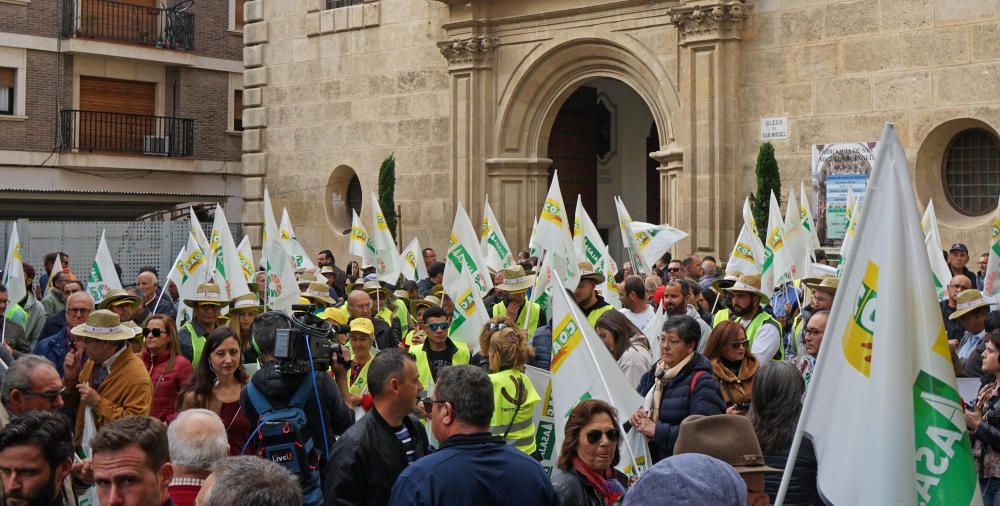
{"x": 969, "y": 301}
{"x": 305, "y": 279}
{"x": 438, "y": 291}
{"x": 826, "y": 284}
{"x": 516, "y": 280}
{"x": 727, "y": 281}
{"x": 729, "y": 438}
{"x": 374, "y": 287}
{"x": 587, "y": 272}
{"x": 318, "y": 293}
{"x": 402, "y": 294}
{"x": 428, "y": 301}
{"x": 207, "y": 293}
{"x": 117, "y": 296}
{"x": 103, "y": 325}
{"x": 246, "y": 302}
{"x": 749, "y": 283}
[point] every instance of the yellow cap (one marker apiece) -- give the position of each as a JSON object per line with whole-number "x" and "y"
{"x": 363, "y": 325}
{"x": 334, "y": 313}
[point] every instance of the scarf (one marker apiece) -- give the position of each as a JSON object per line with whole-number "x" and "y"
{"x": 610, "y": 490}
{"x": 662, "y": 378}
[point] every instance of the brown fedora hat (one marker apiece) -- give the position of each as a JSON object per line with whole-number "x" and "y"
{"x": 729, "y": 438}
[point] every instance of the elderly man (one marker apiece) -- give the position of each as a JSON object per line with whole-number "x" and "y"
{"x": 151, "y": 291}
{"x": 30, "y": 384}
{"x": 56, "y": 322}
{"x": 36, "y": 457}
{"x": 55, "y": 300}
{"x": 55, "y": 347}
{"x": 359, "y": 305}
{"x": 131, "y": 462}
{"x": 958, "y": 284}
{"x": 971, "y": 312}
{"x": 814, "y": 330}
{"x": 206, "y": 304}
{"x": 121, "y": 303}
{"x": 113, "y": 381}
{"x": 250, "y": 480}
{"x": 958, "y": 258}
{"x": 198, "y": 442}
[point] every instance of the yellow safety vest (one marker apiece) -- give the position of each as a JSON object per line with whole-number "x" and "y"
{"x": 500, "y": 309}
{"x": 720, "y": 316}
{"x": 404, "y": 316}
{"x": 461, "y": 357}
{"x": 755, "y": 325}
{"x": 360, "y": 384}
{"x": 197, "y": 343}
{"x": 509, "y": 387}
{"x": 598, "y": 313}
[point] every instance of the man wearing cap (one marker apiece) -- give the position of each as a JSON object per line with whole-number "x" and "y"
{"x": 206, "y": 304}
{"x": 720, "y": 285}
{"x": 151, "y": 299}
{"x": 971, "y": 310}
{"x": 586, "y": 296}
{"x": 113, "y": 382}
{"x": 958, "y": 284}
{"x": 119, "y": 302}
{"x": 418, "y": 334}
{"x": 762, "y": 329}
{"x": 731, "y": 439}
{"x": 359, "y": 305}
{"x": 822, "y": 292}
{"x": 958, "y": 258}
{"x": 318, "y": 293}
{"x": 515, "y": 287}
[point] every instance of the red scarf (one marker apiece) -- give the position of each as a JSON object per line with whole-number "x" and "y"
{"x": 607, "y": 486}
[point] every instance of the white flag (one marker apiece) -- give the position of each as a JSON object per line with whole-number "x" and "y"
{"x": 245, "y": 253}
{"x": 386, "y": 251}
{"x": 470, "y": 312}
{"x": 806, "y": 215}
{"x": 411, "y": 262}
{"x": 991, "y": 287}
{"x": 175, "y": 275}
{"x": 13, "y": 269}
{"x": 777, "y": 268}
{"x": 590, "y": 247}
{"x": 199, "y": 233}
{"x": 361, "y": 244}
{"x": 628, "y": 239}
{"x": 583, "y": 368}
{"x": 56, "y": 267}
{"x": 281, "y": 286}
{"x": 533, "y": 248}
{"x": 464, "y": 254}
{"x": 654, "y": 240}
{"x": 542, "y": 417}
{"x": 882, "y": 408}
{"x": 653, "y": 330}
{"x": 853, "y": 211}
{"x": 193, "y": 271}
{"x": 932, "y": 243}
{"x": 227, "y": 267}
{"x": 797, "y": 240}
{"x": 555, "y": 234}
{"x": 270, "y": 230}
{"x": 743, "y": 259}
{"x": 286, "y": 234}
{"x": 496, "y": 252}
{"x": 103, "y": 276}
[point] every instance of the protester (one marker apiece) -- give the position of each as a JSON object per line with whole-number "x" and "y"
{"x": 710, "y": 268}
{"x": 814, "y": 331}
{"x": 418, "y": 333}
{"x": 472, "y": 465}
{"x": 675, "y": 270}
{"x": 971, "y": 310}
{"x": 335, "y": 276}
{"x": 56, "y": 346}
{"x": 438, "y": 350}
{"x": 720, "y": 286}
{"x": 243, "y": 310}
{"x": 435, "y": 276}
{"x": 36, "y": 456}
{"x": 954, "y": 329}
{"x": 680, "y": 384}
{"x": 361, "y": 358}
{"x": 54, "y": 300}
{"x": 529, "y": 315}
{"x": 113, "y": 382}
{"x": 131, "y": 462}
{"x": 627, "y": 345}
{"x": 373, "y": 452}
{"x": 541, "y": 342}
{"x": 822, "y": 292}
{"x": 197, "y": 442}
{"x": 586, "y": 296}
{"x": 206, "y": 304}
{"x": 731, "y": 439}
{"x": 983, "y": 263}
{"x": 690, "y": 478}
{"x": 55, "y": 323}
{"x": 153, "y": 298}
{"x": 762, "y": 329}
{"x": 514, "y": 395}
{"x": 168, "y": 369}
{"x": 675, "y": 296}
{"x": 359, "y": 305}
{"x": 31, "y": 383}
{"x": 33, "y": 308}
{"x": 383, "y": 309}
{"x": 216, "y": 385}
{"x": 983, "y": 422}
{"x": 585, "y": 474}
{"x": 251, "y": 481}
{"x": 777, "y": 402}
{"x": 958, "y": 258}
{"x": 733, "y": 366}
{"x": 635, "y": 305}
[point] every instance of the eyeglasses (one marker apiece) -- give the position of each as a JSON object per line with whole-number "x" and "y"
{"x": 594, "y": 436}
{"x": 813, "y": 331}
{"x": 740, "y": 344}
{"x": 49, "y": 396}
{"x": 78, "y": 310}
{"x": 960, "y": 287}
{"x": 429, "y": 403}
{"x": 152, "y": 332}
{"x": 437, "y": 326}
{"x": 674, "y": 269}
{"x": 496, "y": 326}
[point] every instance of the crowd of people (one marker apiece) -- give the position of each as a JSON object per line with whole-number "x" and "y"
{"x": 116, "y": 400}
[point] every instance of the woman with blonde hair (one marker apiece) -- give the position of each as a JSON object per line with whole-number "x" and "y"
{"x": 514, "y": 396}
{"x": 168, "y": 369}
{"x": 728, "y": 350}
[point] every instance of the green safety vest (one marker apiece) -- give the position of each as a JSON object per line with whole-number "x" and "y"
{"x": 197, "y": 343}
{"x": 720, "y": 316}
{"x": 500, "y": 309}
{"x": 597, "y": 314}
{"x": 404, "y": 316}
{"x": 761, "y": 319}
{"x": 521, "y": 430}
{"x": 461, "y": 357}
{"x": 17, "y": 314}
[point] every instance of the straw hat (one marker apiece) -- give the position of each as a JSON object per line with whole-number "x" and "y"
{"x": 587, "y": 272}
{"x": 749, "y": 283}
{"x": 326, "y": 269}
{"x": 207, "y": 293}
{"x": 968, "y": 301}
{"x": 103, "y": 325}
{"x": 727, "y": 281}
{"x": 515, "y": 280}
{"x": 318, "y": 293}
{"x": 729, "y": 438}
{"x": 428, "y": 301}
{"x": 134, "y": 327}
{"x": 246, "y": 301}
{"x": 438, "y": 291}
{"x": 402, "y": 294}
{"x": 374, "y": 287}
{"x": 305, "y": 279}
{"x": 117, "y": 296}
{"x": 826, "y": 284}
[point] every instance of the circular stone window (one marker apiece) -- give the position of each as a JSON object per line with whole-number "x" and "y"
{"x": 971, "y": 171}
{"x": 344, "y": 194}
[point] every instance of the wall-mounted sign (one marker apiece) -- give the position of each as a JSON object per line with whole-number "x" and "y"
{"x": 837, "y": 168}
{"x": 773, "y": 128}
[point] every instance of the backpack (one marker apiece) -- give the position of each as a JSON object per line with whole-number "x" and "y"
{"x": 283, "y": 437}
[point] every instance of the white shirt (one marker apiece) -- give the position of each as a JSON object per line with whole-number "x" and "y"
{"x": 765, "y": 343}
{"x": 640, "y": 320}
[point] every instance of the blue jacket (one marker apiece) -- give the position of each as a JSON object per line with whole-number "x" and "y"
{"x": 542, "y": 343}
{"x": 684, "y": 395}
{"x": 54, "y": 348}
{"x": 486, "y": 468}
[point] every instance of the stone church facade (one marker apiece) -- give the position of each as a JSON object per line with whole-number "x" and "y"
{"x": 484, "y": 97}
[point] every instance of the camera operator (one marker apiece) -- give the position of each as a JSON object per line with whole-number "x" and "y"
{"x": 278, "y": 386}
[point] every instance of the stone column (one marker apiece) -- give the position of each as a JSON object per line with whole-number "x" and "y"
{"x": 255, "y": 79}
{"x": 705, "y": 196}
{"x": 670, "y": 169}
{"x": 517, "y": 188}
{"x": 470, "y": 61}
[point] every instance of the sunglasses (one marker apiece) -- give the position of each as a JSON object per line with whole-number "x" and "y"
{"x": 437, "y": 326}
{"x": 594, "y": 436}
{"x": 740, "y": 344}
{"x": 49, "y": 396}
{"x": 429, "y": 404}
{"x": 152, "y": 332}
{"x": 496, "y": 326}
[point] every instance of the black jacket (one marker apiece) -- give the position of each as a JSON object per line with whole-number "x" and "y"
{"x": 387, "y": 336}
{"x": 368, "y": 459}
{"x": 802, "y": 487}
{"x": 573, "y": 488}
{"x": 278, "y": 388}
{"x": 988, "y": 432}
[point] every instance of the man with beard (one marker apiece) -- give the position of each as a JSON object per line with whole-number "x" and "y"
{"x": 674, "y": 295}
{"x": 762, "y": 329}
{"x": 514, "y": 302}
{"x": 36, "y": 456}
{"x": 592, "y": 304}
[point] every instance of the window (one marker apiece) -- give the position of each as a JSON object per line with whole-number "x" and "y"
{"x": 7, "y": 81}
{"x": 354, "y": 196}
{"x": 239, "y": 22}
{"x": 333, "y": 4}
{"x": 972, "y": 171}
{"x": 237, "y": 110}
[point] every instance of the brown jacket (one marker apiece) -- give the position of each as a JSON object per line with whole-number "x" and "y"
{"x": 736, "y": 389}
{"x": 125, "y": 392}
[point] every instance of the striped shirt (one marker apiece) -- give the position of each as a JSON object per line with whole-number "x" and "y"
{"x": 403, "y": 435}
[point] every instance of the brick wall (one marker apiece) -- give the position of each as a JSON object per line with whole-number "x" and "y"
{"x": 203, "y": 96}
{"x": 211, "y": 31}
{"x": 40, "y": 17}
{"x": 38, "y": 132}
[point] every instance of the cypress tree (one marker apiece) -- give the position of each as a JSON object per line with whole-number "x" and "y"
{"x": 387, "y": 190}
{"x": 768, "y": 180}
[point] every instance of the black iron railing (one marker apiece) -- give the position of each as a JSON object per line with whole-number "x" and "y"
{"x": 334, "y": 4}
{"x": 170, "y": 28}
{"x": 125, "y": 133}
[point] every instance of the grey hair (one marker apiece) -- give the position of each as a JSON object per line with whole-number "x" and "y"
{"x": 686, "y": 328}
{"x": 252, "y": 480}
{"x": 470, "y": 392}
{"x": 197, "y": 446}
{"x": 80, "y": 295}
{"x": 19, "y": 374}
{"x": 776, "y": 402}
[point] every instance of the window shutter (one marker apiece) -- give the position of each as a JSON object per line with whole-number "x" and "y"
{"x": 6, "y": 77}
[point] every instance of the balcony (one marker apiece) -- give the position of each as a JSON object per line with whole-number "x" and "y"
{"x": 168, "y": 28}
{"x": 110, "y": 132}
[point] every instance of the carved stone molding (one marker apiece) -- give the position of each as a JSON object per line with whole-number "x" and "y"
{"x": 472, "y": 49}
{"x": 710, "y": 20}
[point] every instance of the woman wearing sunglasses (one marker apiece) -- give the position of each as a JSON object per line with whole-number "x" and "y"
{"x": 585, "y": 474}
{"x": 733, "y": 365}
{"x": 168, "y": 369}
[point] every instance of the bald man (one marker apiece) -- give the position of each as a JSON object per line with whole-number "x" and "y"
{"x": 958, "y": 283}
{"x": 359, "y": 305}
{"x": 151, "y": 300}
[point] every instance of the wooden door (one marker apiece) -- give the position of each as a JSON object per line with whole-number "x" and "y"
{"x": 117, "y": 114}
{"x": 573, "y": 150}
